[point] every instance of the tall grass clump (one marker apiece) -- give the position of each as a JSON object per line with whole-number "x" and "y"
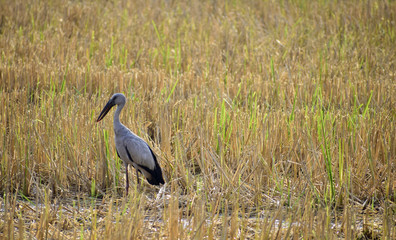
{"x": 270, "y": 119}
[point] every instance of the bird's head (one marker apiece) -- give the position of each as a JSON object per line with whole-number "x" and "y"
{"x": 116, "y": 99}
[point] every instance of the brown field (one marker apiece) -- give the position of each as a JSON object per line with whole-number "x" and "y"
{"x": 270, "y": 119}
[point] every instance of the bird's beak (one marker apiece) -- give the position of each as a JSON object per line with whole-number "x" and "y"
{"x": 105, "y": 110}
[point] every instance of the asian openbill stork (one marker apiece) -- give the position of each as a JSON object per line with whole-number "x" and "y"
{"x": 131, "y": 148}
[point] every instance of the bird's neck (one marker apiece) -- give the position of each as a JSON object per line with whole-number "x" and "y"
{"x": 116, "y": 121}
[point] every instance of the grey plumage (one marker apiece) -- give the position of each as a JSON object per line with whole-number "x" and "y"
{"x": 131, "y": 148}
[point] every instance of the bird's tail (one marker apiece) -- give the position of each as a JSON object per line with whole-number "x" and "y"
{"x": 156, "y": 177}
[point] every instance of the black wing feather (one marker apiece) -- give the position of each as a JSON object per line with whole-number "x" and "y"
{"x": 157, "y": 169}
{"x": 156, "y": 173}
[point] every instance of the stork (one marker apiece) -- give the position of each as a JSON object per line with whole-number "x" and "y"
{"x": 131, "y": 148}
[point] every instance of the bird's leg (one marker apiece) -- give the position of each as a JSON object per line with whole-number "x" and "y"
{"x": 127, "y": 179}
{"x": 137, "y": 176}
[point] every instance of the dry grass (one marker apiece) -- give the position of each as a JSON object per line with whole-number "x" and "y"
{"x": 271, "y": 119}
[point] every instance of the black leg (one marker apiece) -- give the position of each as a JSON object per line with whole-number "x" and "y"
{"x": 137, "y": 176}
{"x": 127, "y": 179}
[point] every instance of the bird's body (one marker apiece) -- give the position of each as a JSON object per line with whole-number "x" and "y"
{"x": 131, "y": 148}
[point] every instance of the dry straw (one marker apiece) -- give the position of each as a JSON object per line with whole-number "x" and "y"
{"x": 270, "y": 119}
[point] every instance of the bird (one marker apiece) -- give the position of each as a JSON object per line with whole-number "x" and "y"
{"x": 132, "y": 149}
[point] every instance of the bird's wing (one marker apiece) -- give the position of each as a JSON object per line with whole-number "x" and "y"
{"x": 139, "y": 151}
